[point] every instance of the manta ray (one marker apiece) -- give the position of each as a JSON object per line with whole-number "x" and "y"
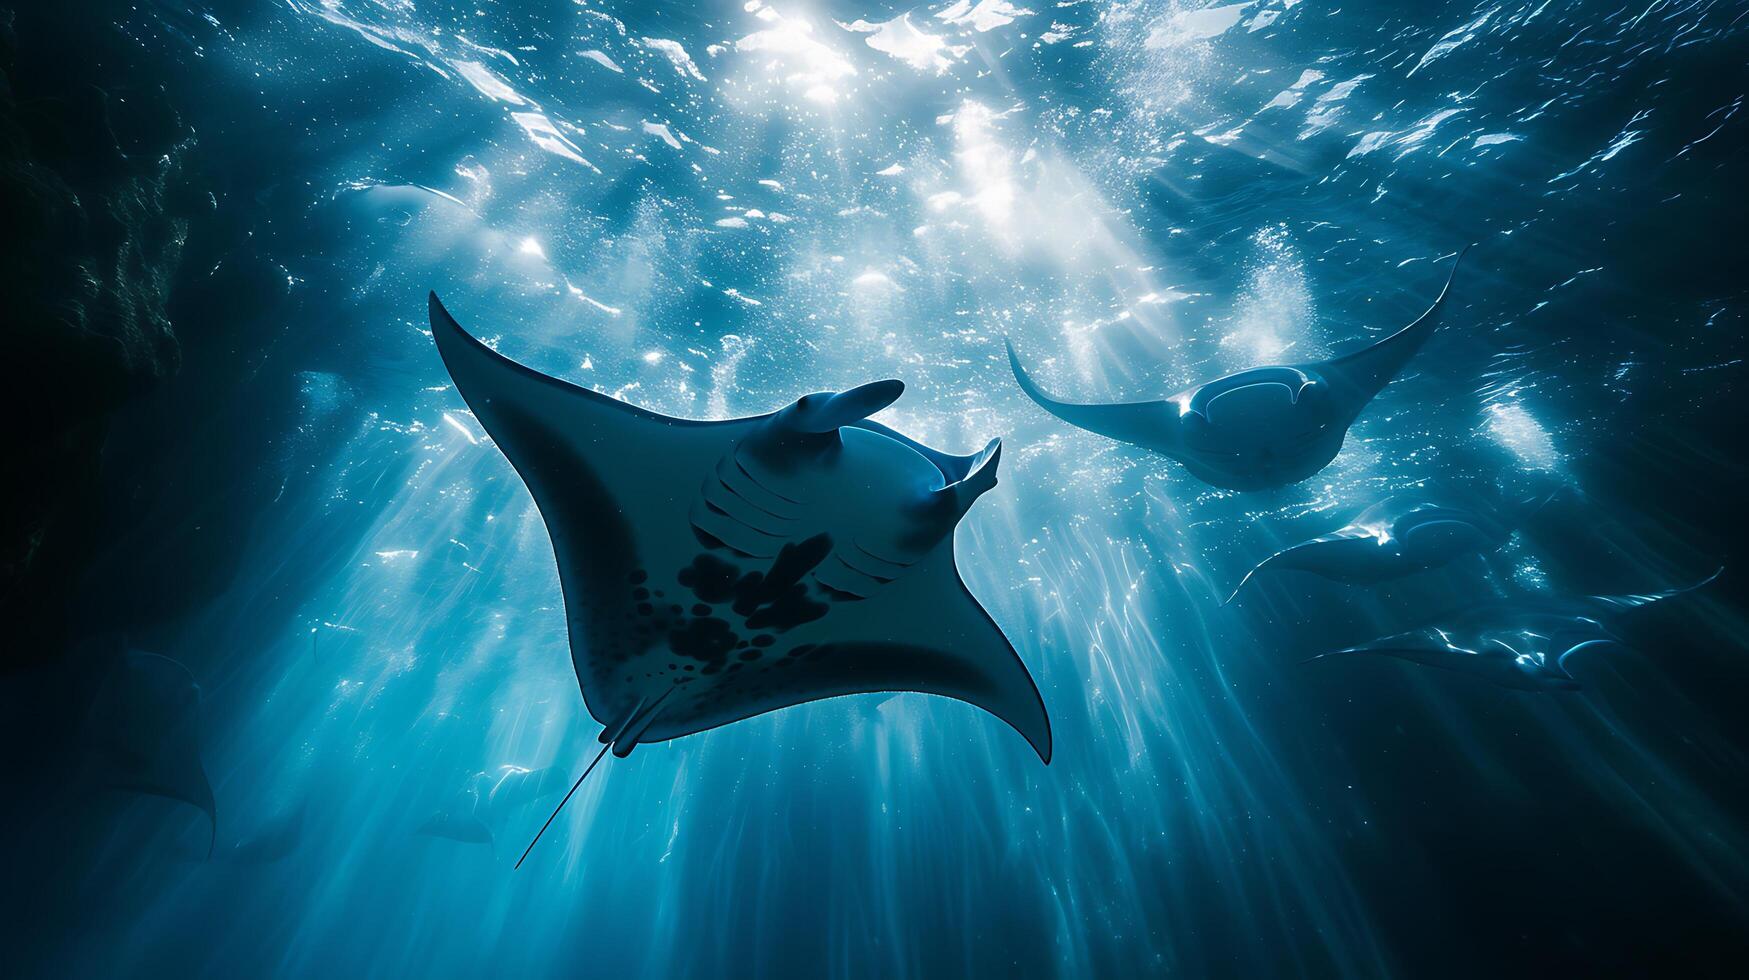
{"x": 1399, "y": 536}
{"x": 1522, "y": 645}
{"x": 145, "y": 732}
{"x": 1261, "y": 428}
{"x": 717, "y": 570}
{"x": 268, "y": 841}
{"x": 489, "y": 798}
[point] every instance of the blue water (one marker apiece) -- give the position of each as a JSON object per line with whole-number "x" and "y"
{"x": 710, "y": 210}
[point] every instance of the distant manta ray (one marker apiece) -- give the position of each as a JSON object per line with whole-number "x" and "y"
{"x": 487, "y": 799}
{"x": 1399, "y": 536}
{"x": 713, "y": 571}
{"x": 1517, "y": 644}
{"x": 1258, "y": 429}
{"x": 145, "y": 732}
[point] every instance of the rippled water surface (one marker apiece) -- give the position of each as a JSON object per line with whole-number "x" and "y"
{"x": 709, "y": 210}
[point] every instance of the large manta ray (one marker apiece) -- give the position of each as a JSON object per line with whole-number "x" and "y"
{"x": 713, "y": 571}
{"x": 1524, "y": 645}
{"x": 1399, "y": 536}
{"x": 1257, "y": 429}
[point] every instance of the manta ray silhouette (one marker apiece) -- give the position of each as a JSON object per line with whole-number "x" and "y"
{"x": 269, "y": 840}
{"x": 145, "y": 732}
{"x": 463, "y": 819}
{"x": 274, "y": 839}
{"x": 1521, "y": 645}
{"x": 489, "y": 798}
{"x": 713, "y": 571}
{"x": 1257, "y": 429}
{"x": 1399, "y": 536}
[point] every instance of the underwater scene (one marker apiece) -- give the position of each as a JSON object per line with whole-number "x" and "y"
{"x": 855, "y": 489}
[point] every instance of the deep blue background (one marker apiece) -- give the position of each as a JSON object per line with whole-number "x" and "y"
{"x": 1143, "y": 195}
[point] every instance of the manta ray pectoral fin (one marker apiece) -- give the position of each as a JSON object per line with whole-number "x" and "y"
{"x": 1152, "y": 425}
{"x": 922, "y": 633}
{"x": 1560, "y": 664}
{"x": 1426, "y": 641}
{"x": 1399, "y": 648}
{"x": 549, "y": 427}
{"x": 183, "y": 777}
{"x": 613, "y": 482}
{"x": 1357, "y": 377}
{"x": 1247, "y": 577}
{"x": 1346, "y": 544}
{"x": 1281, "y": 558}
{"x": 200, "y": 797}
{"x": 146, "y": 719}
{"x": 951, "y": 647}
{"x": 1623, "y": 602}
{"x": 490, "y": 382}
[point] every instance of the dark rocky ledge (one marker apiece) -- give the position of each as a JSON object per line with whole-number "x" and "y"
{"x": 98, "y": 198}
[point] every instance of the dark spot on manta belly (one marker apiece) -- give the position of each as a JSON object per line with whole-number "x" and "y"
{"x": 710, "y": 578}
{"x": 705, "y": 638}
{"x": 773, "y": 599}
{"x": 787, "y": 611}
{"x": 708, "y": 639}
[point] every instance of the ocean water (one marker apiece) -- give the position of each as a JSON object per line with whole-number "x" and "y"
{"x": 711, "y": 209}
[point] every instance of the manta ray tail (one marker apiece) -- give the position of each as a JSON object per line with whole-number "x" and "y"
{"x": 621, "y": 740}
{"x": 543, "y": 827}
{"x": 1368, "y": 370}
